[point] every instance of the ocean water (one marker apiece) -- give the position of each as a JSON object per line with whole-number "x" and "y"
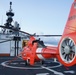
{"x": 8, "y": 47}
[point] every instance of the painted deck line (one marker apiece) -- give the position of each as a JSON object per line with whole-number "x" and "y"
{"x": 43, "y": 74}
{"x": 51, "y": 70}
{"x": 40, "y": 67}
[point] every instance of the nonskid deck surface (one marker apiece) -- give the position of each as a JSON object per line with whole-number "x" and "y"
{"x": 11, "y": 66}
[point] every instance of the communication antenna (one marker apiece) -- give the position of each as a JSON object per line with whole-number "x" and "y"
{"x": 10, "y": 6}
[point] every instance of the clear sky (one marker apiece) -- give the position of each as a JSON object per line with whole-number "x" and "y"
{"x": 38, "y": 16}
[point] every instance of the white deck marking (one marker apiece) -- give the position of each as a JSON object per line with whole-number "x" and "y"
{"x": 5, "y": 64}
{"x": 43, "y": 74}
{"x": 14, "y": 63}
{"x": 72, "y": 72}
{"x": 55, "y": 72}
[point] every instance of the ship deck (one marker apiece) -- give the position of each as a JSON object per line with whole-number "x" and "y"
{"x": 11, "y": 66}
